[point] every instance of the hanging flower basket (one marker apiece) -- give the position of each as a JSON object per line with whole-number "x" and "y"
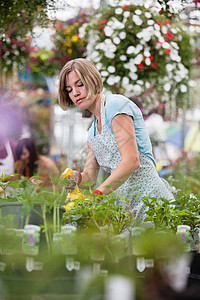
{"x": 140, "y": 53}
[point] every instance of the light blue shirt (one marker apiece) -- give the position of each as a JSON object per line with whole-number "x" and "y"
{"x": 119, "y": 104}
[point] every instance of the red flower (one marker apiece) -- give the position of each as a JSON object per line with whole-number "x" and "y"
{"x": 168, "y": 51}
{"x": 101, "y": 26}
{"x": 167, "y": 22}
{"x": 126, "y": 6}
{"x": 140, "y": 66}
{"x": 169, "y": 35}
{"x": 103, "y": 21}
{"x": 160, "y": 24}
{"x": 160, "y": 11}
{"x": 151, "y": 57}
{"x": 154, "y": 65}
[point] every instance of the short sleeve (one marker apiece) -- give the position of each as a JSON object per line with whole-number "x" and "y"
{"x": 119, "y": 104}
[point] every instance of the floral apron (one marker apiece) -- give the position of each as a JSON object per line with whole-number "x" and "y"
{"x": 142, "y": 182}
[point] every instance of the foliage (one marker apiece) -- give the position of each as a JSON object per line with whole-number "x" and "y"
{"x": 24, "y": 14}
{"x": 140, "y": 53}
{"x": 42, "y": 63}
{"x": 169, "y": 214}
{"x": 89, "y": 213}
{"x": 184, "y": 210}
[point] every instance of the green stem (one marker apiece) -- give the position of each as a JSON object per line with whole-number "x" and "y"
{"x": 45, "y": 226}
{"x": 58, "y": 218}
{"x": 4, "y": 193}
{"x": 27, "y": 218}
{"x": 54, "y": 218}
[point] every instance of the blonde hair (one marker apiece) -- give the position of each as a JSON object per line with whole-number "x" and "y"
{"x": 88, "y": 74}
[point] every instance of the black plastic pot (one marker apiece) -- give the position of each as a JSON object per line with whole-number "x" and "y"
{"x": 12, "y": 215}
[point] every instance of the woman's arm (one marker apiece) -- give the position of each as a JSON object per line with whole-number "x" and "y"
{"x": 123, "y": 129}
{"x": 91, "y": 169}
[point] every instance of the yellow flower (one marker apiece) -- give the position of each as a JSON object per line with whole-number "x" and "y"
{"x": 69, "y": 206}
{"x": 67, "y": 44}
{"x": 74, "y": 38}
{"x": 69, "y": 51}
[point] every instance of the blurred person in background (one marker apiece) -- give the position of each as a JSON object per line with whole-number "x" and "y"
{"x": 31, "y": 163}
{"x": 7, "y": 145}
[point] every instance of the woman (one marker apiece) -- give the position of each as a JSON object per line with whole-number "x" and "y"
{"x": 117, "y": 140}
{"x": 30, "y": 162}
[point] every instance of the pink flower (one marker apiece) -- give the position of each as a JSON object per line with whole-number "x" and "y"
{"x": 154, "y": 65}
{"x": 169, "y": 35}
{"x": 103, "y": 21}
{"x": 140, "y": 66}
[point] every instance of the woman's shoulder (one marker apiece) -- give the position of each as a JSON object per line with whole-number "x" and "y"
{"x": 117, "y": 103}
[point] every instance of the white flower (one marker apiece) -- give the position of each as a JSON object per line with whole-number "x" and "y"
{"x": 116, "y": 40}
{"x": 138, "y": 48}
{"x": 115, "y": 24}
{"x": 147, "y": 53}
{"x": 133, "y": 76}
{"x": 108, "y": 41}
{"x": 167, "y": 87}
{"x": 137, "y": 89}
{"x": 183, "y": 88}
{"x": 175, "y": 45}
{"x": 147, "y": 61}
{"x": 138, "y": 59}
{"x": 173, "y": 30}
{"x": 117, "y": 78}
{"x": 113, "y": 79}
{"x": 108, "y": 31}
{"x": 164, "y": 29}
{"x": 170, "y": 67}
{"x": 99, "y": 66}
{"x": 110, "y": 80}
{"x": 111, "y": 69}
{"x": 125, "y": 81}
{"x": 123, "y": 57}
{"x": 157, "y": 27}
{"x": 122, "y": 35}
{"x": 138, "y": 21}
{"x": 109, "y": 54}
{"x": 118, "y": 11}
{"x": 126, "y": 14}
{"x": 140, "y": 82}
{"x": 130, "y": 50}
{"x": 177, "y": 78}
{"x": 82, "y": 30}
{"x": 138, "y": 12}
{"x": 104, "y": 73}
{"x": 165, "y": 45}
{"x": 161, "y": 39}
{"x": 150, "y": 22}
{"x": 157, "y": 33}
{"x": 147, "y": 14}
{"x": 147, "y": 84}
